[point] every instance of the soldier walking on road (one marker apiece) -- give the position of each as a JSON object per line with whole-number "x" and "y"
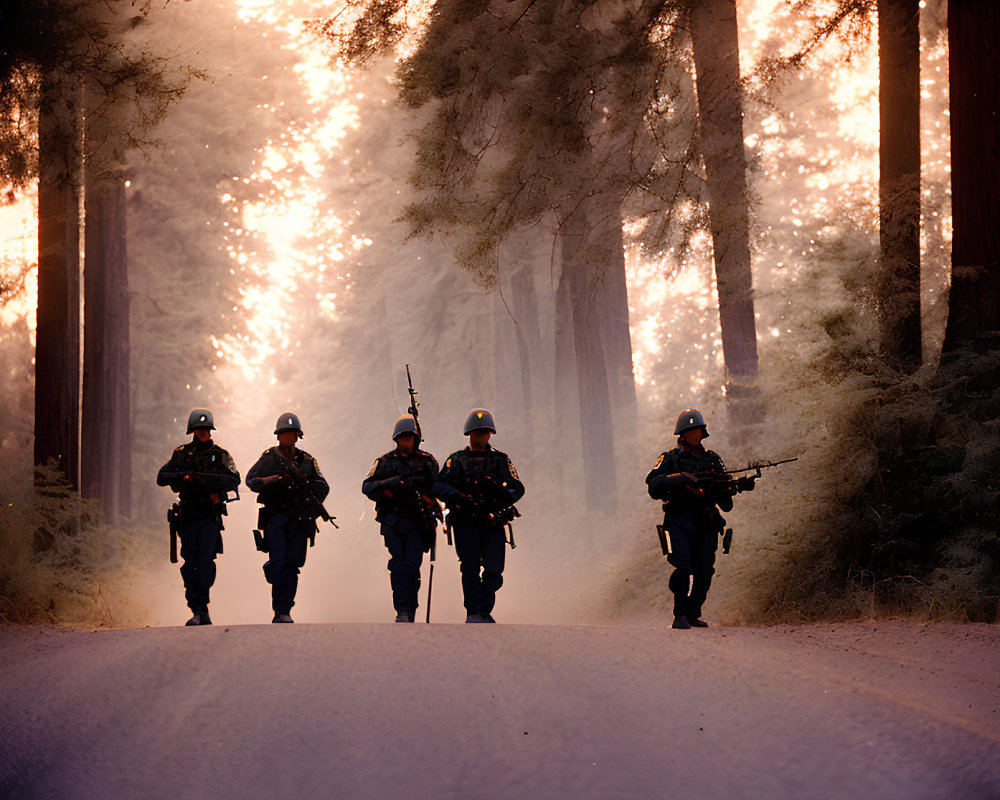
{"x": 202, "y": 473}
{"x": 480, "y": 486}
{"x": 289, "y": 484}
{"x": 694, "y": 485}
{"x": 400, "y": 483}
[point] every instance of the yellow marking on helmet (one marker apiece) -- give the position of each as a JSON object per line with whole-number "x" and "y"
{"x": 479, "y": 415}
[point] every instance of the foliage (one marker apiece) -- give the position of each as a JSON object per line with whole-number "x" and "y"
{"x": 535, "y": 107}
{"x": 86, "y": 40}
{"x": 57, "y": 563}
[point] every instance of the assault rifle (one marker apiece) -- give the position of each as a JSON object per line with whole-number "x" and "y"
{"x": 411, "y": 502}
{"x": 426, "y": 509}
{"x": 745, "y": 481}
{"x": 414, "y": 405}
{"x": 200, "y": 479}
{"x": 300, "y": 482}
{"x": 491, "y": 503}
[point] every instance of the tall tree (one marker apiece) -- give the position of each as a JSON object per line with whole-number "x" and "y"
{"x": 974, "y": 64}
{"x": 106, "y": 434}
{"x": 898, "y": 288}
{"x": 715, "y": 40}
{"x": 57, "y": 348}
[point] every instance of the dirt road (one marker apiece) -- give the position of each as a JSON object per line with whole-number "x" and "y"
{"x": 865, "y": 710}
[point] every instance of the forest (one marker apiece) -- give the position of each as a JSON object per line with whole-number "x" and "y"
{"x": 585, "y": 216}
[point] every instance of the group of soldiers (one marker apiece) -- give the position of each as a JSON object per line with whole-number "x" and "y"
{"x": 478, "y": 485}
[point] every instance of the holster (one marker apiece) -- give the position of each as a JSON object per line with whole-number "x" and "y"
{"x": 664, "y": 536}
{"x": 259, "y": 539}
{"x": 173, "y": 520}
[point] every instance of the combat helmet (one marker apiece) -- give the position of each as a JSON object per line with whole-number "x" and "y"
{"x": 288, "y": 422}
{"x": 479, "y": 418}
{"x": 691, "y": 418}
{"x": 200, "y": 418}
{"x": 405, "y": 424}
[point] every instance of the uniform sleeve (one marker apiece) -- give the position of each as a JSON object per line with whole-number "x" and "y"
{"x": 660, "y": 482}
{"x": 316, "y": 480}
{"x": 259, "y": 471}
{"x": 378, "y": 477}
{"x": 447, "y": 481}
{"x": 511, "y": 482}
{"x": 432, "y": 469}
{"x": 174, "y": 465}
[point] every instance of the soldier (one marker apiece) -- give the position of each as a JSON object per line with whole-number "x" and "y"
{"x": 694, "y": 485}
{"x": 289, "y": 484}
{"x": 480, "y": 486}
{"x": 202, "y": 473}
{"x": 400, "y": 484}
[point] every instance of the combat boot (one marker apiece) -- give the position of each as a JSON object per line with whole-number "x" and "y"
{"x": 282, "y": 617}
{"x": 205, "y": 619}
{"x": 405, "y": 615}
{"x": 681, "y": 623}
{"x": 697, "y": 622}
{"x": 195, "y": 618}
{"x": 478, "y": 618}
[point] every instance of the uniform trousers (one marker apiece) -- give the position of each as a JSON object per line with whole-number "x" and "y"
{"x": 693, "y": 546}
{"x": 287, "y": 541}
{"x": 201, "y": 539}
{"x": 481, "y": 550}
{"x": 406, "y": 554}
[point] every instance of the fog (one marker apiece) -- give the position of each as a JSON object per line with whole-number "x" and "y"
{"x": 268, "y": 274}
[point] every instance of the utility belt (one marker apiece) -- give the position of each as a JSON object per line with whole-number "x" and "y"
{"x": 190, "y": 509}
{"x": 708, "y": 520}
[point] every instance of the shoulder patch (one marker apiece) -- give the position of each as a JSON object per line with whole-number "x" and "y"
{"x": 510, "y": 466}
{"x": 447, "y": 463}
{"x": 374, "y": 467}
{"x": 659, "y": 460}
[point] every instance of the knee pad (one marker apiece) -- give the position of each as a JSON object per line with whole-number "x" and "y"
{"x": 680, "y": 581}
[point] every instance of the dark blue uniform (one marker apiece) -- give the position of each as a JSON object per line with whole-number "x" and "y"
{"x": 401, "y": 487}
{"x": 479, "y": 486}
{"x": 210, "y": 474}
{"x": 691, "y": 515}
{"x": 288, "y": 520}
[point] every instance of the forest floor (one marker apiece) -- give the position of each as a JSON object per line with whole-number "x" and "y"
{"x": 877, "y": 709}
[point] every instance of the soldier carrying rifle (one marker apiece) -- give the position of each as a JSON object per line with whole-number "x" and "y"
{"x": 694, "y": 485}
{"x": 480, "y": 486}
{"x": 202, "y": 473}
{"x": 290, "y": 486}
{"x": 400, "y": 483}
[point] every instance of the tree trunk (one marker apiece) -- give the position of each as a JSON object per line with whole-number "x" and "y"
{"x": 520, "y": 261}
{"x": 584, "y": 272}
{"x": 611, "y": 298}
{"x": 57, "y": 343}
{"x": 715, "y": 38}
{"x": 974, "y": 63}
{"x": 898, "y": 286}
{"x": 107, "y": 430}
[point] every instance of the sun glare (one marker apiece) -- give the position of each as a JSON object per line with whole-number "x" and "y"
{"x": 814, "y": 163}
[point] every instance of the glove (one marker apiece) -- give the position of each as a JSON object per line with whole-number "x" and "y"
{"x": 746, "y": 483}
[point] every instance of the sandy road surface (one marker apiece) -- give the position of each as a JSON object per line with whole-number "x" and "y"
{"x": 888, "y": 710}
